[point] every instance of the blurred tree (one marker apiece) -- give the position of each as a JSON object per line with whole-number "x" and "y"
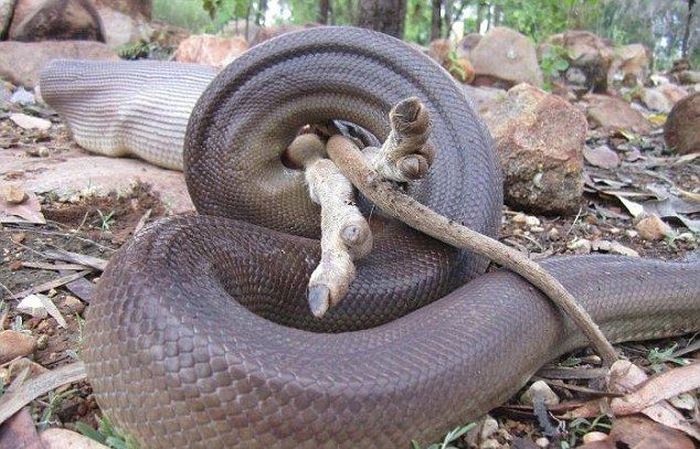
{"x": 436, "y": 19}
{"x": 387, "y": 16}
{"x": 686, "y": 31}
{"x": 324, "y": 7}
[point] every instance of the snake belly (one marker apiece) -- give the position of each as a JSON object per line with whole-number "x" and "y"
{"x": 200, "y": 337}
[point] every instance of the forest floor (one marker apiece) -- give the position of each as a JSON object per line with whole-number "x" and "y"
{"x": 96, "y": 226}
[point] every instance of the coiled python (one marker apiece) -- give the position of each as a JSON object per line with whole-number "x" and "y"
{"x": 200, "y": 336}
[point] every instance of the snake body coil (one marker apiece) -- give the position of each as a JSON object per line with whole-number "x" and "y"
{"x": 200, "y": 337}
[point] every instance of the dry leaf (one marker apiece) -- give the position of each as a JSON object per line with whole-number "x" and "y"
{"x": 27, "y": 212}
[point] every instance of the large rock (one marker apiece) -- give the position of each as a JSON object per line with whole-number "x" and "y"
{"x": 482, "y": 98}
{"x": 210, "y": 50}
{"x": 612, "y": 114}
{"x": 6, "y": 9}
{"x": 22, "y": 62}
{"x": 540, "y": 138}
{"x": 505, "y": 57}
{"x": 673, "y": 92}
{"x": 630, "y": 65}
{"x": 655, "y": 100}
{"x": 266, "y": 33}
{"x": 37, "y": 20}
{"x": 682, "y": 128}
{"x": 132, "y": 8}
{"x": 588, "y": 55}
{"x": 442, "y": 51}
{"x": 120, "y": 27}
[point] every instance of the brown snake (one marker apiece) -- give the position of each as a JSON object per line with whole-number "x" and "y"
{"x": 194, "y": 339}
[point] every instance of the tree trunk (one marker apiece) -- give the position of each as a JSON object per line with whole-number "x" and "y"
{"x": 436, "y": 20}
{"x": 479, "y": 16}
{"x": 449, "y": 17}
{"x": 260, "y": 13}
{"x": 324, "y": 7}
{"x": 686, "y": 31}
{"x": 387, "y": 16}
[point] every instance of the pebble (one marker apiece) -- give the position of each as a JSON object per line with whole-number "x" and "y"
{"x": 56, "y": 438}
{"x": 540, "y": 390}
{"x": 554, "y": 234}
{"x": 592, "y": 437}
{"x": 631, "y": 233}
{"x": 580, "y": 246}
{"x": 490, "y": 444}
{"x": 15, "y": 344}
{"x": 73, "y": 305}
{"x": 14, "y": 195}
{"x": 32, "y": 305}
{"x": 22, "y": 97}
{"x": 37, "y": 152}
{"x": 607, "y": 246}
{"x": 542, "y": 442}
{"x": 42, "y": 342}
{"x": 653, "y": 228}
{"x": 25, "y": 121}
{"x": 537, "y": 229}
{"x": 488, "y": 427}
{"x": 684, "y": 401}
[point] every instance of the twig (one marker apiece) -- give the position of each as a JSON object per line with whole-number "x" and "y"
{"x": 13, "y": 401}
{"x": 46, "y": 286}
{"x": 81, "y": 259}
{"x": 352, "y": 164}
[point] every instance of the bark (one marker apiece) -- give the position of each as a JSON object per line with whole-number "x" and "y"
{"x": 686, "y": 31}
{"x": 386, "y": 16}
{"x": 436, "y": 20}
{"x": 260, "y": 13}
{"x": 324, "y": 7}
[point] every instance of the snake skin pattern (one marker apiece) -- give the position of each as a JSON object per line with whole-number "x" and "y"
{"x": 200, "y": 335}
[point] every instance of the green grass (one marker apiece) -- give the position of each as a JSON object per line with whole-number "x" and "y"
{"x": 187, "y": 14}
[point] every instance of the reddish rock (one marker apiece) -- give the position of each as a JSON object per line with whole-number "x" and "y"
{"x": 132, "y": 8}
{"x": 630, "y": 64}
{"x": 21, "y": 62}
{"x": 442, "y": 52}
{"x": 465, "y": 45}
{"x": 682, "y": 128}
{"x": 612, "y": 114}
{"x": 673, "y": 92}
{"x": 266, "y": 33}
{"x": 210, "y": 50}
{"x": 587, "y": 54}
{"x": 37, "y": 20}
{"x": 539, "y": 138}
{"x": 506, "y": 56}
{"x": 122, "y": 28}
{"x": 6, "y": 9}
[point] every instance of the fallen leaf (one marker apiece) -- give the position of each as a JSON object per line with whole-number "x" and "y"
{"x": 27, "y": 212}
{"x": 636, "y": 432}
{"x": 67, "y": 439}
{"x": 19, "y": 432}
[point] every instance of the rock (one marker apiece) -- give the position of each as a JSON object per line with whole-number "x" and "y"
{"x": 655, "y": 100}
{"x": 73, "y": 305}
{"x": 15, "y": 344}
{"x": 14, "y": 194}
{"x": 121, "y": 28}
{"x": 465, "y": 45}
{"x": 673, "y": 92}
{"x": 459, "y": 67}
{"x": 132, "y": 8}
{"x": 238, "y": 27}
{"x": 653, "y": 228}
{"x": 21, "y": 63}
{"x": 22, "y": 97}
{"x": 542, "y": 442}
{"x": 210, "y": 50}
{"x": 32, "y": 305}
{"x": 489, "y": 426}
{"x": 601, "y": 156}
{"x": 483, "y": 97}
{"x": 580, "y": 246}
{"x": 681, "y": 130}
{"x": 631, "y": 64}
{"x": 688, "y": 77}
{"x": 490, "y": 444}
{"x": 507, "y": 57}
{"x": 6, "y": 11}
{"x": 539, "y": 391}
{"x": 539, "y": 138}
{"x": 56, "y": 438}
{"x": 25, "y": 121}
{"x": 591, "y": 437}
{"x": 586, "y": 53}
{"x": 612, "y": 114}
{"x": 606, "y": 246}
{"x": 38, "y": 20}
{"x": 266, "y": 33}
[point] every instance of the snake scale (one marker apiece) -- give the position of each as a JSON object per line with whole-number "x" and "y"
{"x": 200, "y": 335}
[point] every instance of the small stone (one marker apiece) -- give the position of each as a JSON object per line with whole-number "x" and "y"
{"x": 25, "y": 121}
{"x": 22, "y": 97}
{"x": 580, "y": 246}
{"x": 519, "y": 218}
{"x": 537, "y": 229}
{"x": 56, "y": 438}
{"x": 540, "y": 391}
{"x": 15, "y": 344}
{"x": 631, "y": 233}
{"x": 653, "y": 228}
{"x": 601, "y": 245}
{"x": 42, "y": 342}
{"x": 542, "y": 442}
{"x": 18, "y": 237}
{"x": 37, "y": 152}
{"x": 686, "y": 237}
{"x": 488, "y": 427}
{"x": 73, "y": 305}
{"x": 553, "y": 234}
{"x": 490, "y": 444}
{"x": 14, "y": 195}
{"x": 684, "y": 401}
{"x": 15, "y": 265}
{"x": 619, "y": 248}
{"x": 601, "y": 156}
{"x": 32, "y": 305}
{"x": 591, "y": 437}
{"x": 532, "y": 221}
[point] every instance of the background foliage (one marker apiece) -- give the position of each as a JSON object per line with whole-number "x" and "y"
{"x": 658, "y": 24}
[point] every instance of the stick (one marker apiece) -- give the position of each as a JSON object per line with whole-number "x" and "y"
{"x": 351, "y": 163}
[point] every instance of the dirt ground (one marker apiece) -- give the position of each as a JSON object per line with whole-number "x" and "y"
{"x": 97, "y": 225}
